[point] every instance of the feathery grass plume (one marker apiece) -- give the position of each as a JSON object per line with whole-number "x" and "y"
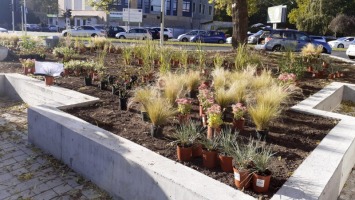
{"x": 143, "y": 95}
{"x": 238, "y": 90}
{"x": 311, "y": 51}
{"x": 273, "y": 96}
{"x": 159, "y": 110}
{"x": 165, "y": 60}
{"x": 262, "y": 114}
{"x": 8, "y": 39}
{"x": 127, "y": 54}
{"x": 184, "y": 58}
{"x": 225, "y": 97}
{"x": 173, "y": 86}
{"x": 220, "y": 78}
{"x": 263, "y": 81}
{"x": 218, "y": 60}
{"x": 100, "y": 42}
{"x": 241, "y": 57}
{"x": 192, "y": 80}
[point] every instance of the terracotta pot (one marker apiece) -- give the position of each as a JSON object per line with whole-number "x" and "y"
{"x": 49, "y": 80}
{"x": 197, "y": 150}
{"x": 213, "y": 132}
{"x": 201, "y": 110}
{"x": 331, "y": 76}
{"x": 209, "y": 159}
{"x": 184, "y": 153}
{"x": 204, "y": 120}
{"x": 66, "y": 72}
{"x": 183, "y": 119}
{"x": 226, "y": 163}
{"x": 238, "y": 124}
{"x": 309, "y": 69}
{"x": 261, "y": 183}
{"x": 25, "y": 70}
{"x": 32, "y": 70}
{"x": 242, "y": 178}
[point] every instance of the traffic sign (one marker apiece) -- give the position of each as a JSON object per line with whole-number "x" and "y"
{"x": 132, "y": 15}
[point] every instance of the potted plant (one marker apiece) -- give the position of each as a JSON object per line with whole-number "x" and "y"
{"x": 206, "y": 99}
{"x": 226, "y": 145}
{"x": 123, "y": 97}
{"x": 185, "y": 136}
{"x": 243, "y": 156}
{"x": 28, "y": 65}
{"x": 209, "y": 152}
{"x": 192, "y": 81}
{"x": 214, "y": 121}
{"x": 262, "y": 174}
{"x": 184, "y": 109}
{"x": 142, "y": 95}
{"x": 159, "y": 111}
{"x": 239, "y": 110}
{"x": 287, "y": 78}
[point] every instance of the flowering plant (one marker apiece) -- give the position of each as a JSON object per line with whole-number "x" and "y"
{"x": 184, "y": 105}
{"x": 203, "y": 86}
{"x": 239, "y": 110}
{"x": 285, "y": 78}
{"x": 28, "y": 63}
{"x": 214, "y": 116}
{"x": 206, "y": 98}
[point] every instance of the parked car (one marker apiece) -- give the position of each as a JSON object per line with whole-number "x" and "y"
{"x": 285, "y": 39}
{"x": 85, "y": 31}
{"x": 187, "y": 36}
{"x": 3, "y": 30}
{"x": 53, "y": 28}
{"x": 343, "y": 42}
{"x": 113, "y": 30}
{"x": 135, "y": 33}
{"x": 253, "y": 39}
{"x": 318, "y": 38}
{"x": 229, "y": 39}
{"x": 210, "y": 37}
{"x": 33, "y": 27}
{"x": 155, "y": 34}
{"x": 350, "y": 52}
{"x": 168, "y": 32}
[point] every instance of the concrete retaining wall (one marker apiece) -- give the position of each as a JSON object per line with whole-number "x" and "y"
{"x": 2, "y": 85}
{"x": 121, "y": 167}
{"x": 324, "y": 172}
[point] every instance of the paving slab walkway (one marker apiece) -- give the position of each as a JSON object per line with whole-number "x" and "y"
{"x": 28, "y": 173}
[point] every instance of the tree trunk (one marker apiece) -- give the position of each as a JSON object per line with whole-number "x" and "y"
{"x": 240, "y": 22}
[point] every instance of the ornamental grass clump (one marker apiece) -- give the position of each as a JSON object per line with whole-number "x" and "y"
{"x": 227, "y": 142}
{"x": 143, "y": 95}
{"x": 220, "y": 78}
{"x": 225, "y": 97}
{"x": 311, "y": 51}
{"x": 159, "y": 110}
{"x": 264, "y": 80}
{"x": 173, "y": 86}
{"x": 214, "y": 116}
{"x": 192, "y": 80}
{"x": 238, "y": 90}
{"x": 218, "y": 61}
{"x": 261, "y": 161}
{"x": 262, "y": 114}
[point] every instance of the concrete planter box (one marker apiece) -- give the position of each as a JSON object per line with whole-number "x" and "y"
{"x": 129, "y": 171}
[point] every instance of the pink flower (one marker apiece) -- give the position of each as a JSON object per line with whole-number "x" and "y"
{"x": 287, "y": 78}
{"x": 239, "y": 110}
{"x": 214, "y": 109}
{"x": 183, "y": 101}
{"x": 203, "y": 86}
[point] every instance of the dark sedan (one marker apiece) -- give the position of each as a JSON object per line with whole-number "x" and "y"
{"x": 210, "y": 37}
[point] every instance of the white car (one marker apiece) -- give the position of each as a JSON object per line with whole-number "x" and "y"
{"x": 229, "y": 40}
{"x": 3, "y": 30}
{"x": 187, "y": 36}
{"x": 343, "y": 42}
{"x": 168, "y": 32}
{"x": 85, "y": 31}
{"x": 135, "y": 33}
{"x": 350, "y": 52}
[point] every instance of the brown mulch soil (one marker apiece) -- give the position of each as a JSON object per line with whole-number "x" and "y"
{"x": 292, "y": 136}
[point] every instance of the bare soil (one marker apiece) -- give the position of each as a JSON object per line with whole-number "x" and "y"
{"x": 292, "y": 137}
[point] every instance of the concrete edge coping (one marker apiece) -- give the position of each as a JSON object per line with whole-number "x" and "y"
{"x": 324, "y": 172}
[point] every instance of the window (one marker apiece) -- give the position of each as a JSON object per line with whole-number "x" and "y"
{"x": 167, "y": 6}
{"x": 210, "y": 10}
{"x": 193, "y": 7}
{"x": 175, "y": 7}
{"x": 133, "y": 31}
{"x": 186, "y": 6}
{"x": 203, "y": 9}
{"x": 139, "y": 4}
{"x": 116, "y": 2}
{"x": 200, "y": 8}
{"x": 302, "y": 37}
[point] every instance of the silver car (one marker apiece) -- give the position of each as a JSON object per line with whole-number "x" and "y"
{"x": 135, "y": 33}
{"x": 187, "y": 36}
{"x": 3, "y": 30}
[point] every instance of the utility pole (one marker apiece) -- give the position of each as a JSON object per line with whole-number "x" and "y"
{"x": 129, "y": 14}
{"x": 162, "y": 13}
{"x": 22, "y": 18}
{"x": 13, "y": 16}
{"x": 25, "y": 15}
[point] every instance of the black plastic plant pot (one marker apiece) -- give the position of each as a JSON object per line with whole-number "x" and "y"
{"x": 262, "y": 134}
{"x": 192, "y": 94}
{"x": 114, "y": 90}
{"x": 156, "y": 130}
{"x": 103, "y": 85}
{"x": 111, "y": 79}
{"x": 123, "y": 103}
{"x": 87, "y": 80}
{"x": 145, "y": 116}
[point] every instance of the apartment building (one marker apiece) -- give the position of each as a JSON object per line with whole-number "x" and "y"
{"x": 186, "y": 14}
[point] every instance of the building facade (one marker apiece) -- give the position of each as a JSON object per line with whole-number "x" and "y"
{"x": 184, "y": 14}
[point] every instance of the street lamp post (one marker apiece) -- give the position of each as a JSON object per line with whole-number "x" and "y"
{"x": 162, "y": 13}
{"x": 25, "y": 15}
{"x": 13, "y": 17}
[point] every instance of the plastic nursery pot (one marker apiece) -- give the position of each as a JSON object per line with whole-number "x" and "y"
{"x": 156, "y": 130}
{"x": 103, "y": 85}
{"x": 242, "y": 178}
{"x": 192, "y": 94}
{"x": 262, "y": 134}
{"x": 145, "y": 116}
{"x": 197, "y": 150}
{"x": 226, "y": 163}
{"x": 209, "y": 159}
{"x": 87, "y": 80}
{"x": 261, "y": 183}
{"x": 184, "y": 153}
{"x": 49, "y": 80}
{"x": 238, "y": 124}
{"x": 123, "y": 103}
